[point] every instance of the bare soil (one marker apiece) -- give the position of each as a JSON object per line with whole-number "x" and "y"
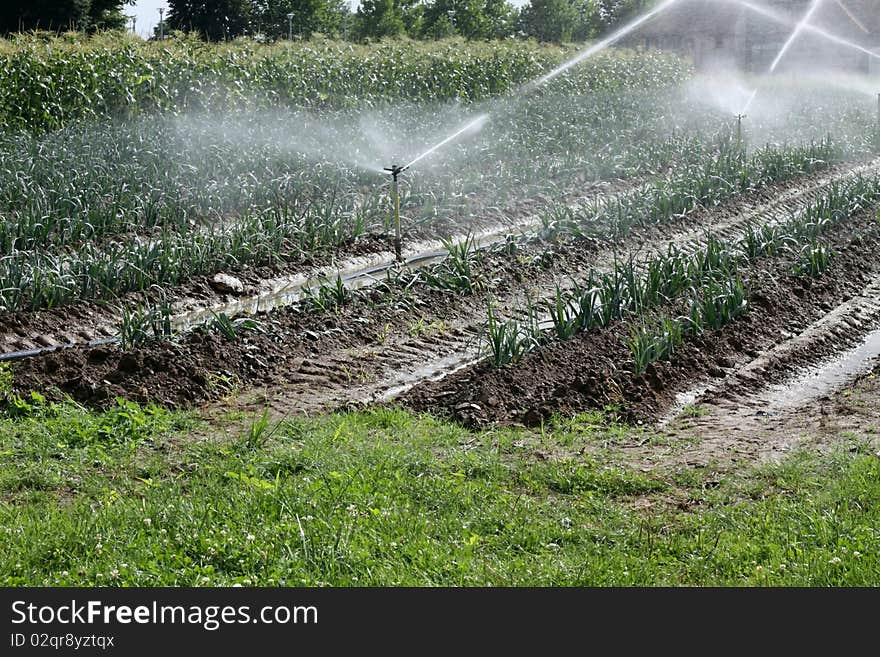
{"x": 594, "y": 370}
{"x": 393, "y": 344}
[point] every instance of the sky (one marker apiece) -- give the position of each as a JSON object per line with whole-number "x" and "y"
{"x": 147, "y": 12}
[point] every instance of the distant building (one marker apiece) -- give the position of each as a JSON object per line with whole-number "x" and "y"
{"x": 727, "y": 32}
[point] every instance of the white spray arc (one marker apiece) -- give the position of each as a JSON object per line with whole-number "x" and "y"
{"x": 603, "y": 44}
{"x": 472, "y": 126}
{"x": 476, "y": 124}
{"x": 809, "y": 27}
{"x": 795, "y": 33}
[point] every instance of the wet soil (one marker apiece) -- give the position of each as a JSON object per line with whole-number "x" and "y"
{"x": 594, "y": 371}
{"x": 91, "y": 321}
{"x": 302, "y": 361}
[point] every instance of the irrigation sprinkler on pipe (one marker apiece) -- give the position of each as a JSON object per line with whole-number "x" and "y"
{"x": 395, "y": 170}
{"x": 739, "y": 132}
{"x": 877, "y": 127}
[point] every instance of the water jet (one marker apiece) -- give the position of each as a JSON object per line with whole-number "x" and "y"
{"x": 877, "y": 128}
{"x": 807, "y": 27}
{"x": 795, "y": 33}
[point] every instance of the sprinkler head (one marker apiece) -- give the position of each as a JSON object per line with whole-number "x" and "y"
{"x": 395, "y": 170}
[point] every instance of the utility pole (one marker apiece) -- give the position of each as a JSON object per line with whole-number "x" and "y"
{"x": 451, "y": 14}
{"x": 161, "y": 24}
{"x": 133, "y": 23}
{"x": 290, "y": 27}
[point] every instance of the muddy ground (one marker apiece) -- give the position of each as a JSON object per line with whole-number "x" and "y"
{"x": 594, "y": 370}
{"x": 91, "y": 321}
{"x": 391, "y": 339}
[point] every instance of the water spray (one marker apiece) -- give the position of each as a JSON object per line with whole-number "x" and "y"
{"x": 395, "y": 170}
{"x": 600, "y": 45}
{"x": 795, "y": 33}
{"x": 813, "y": 29}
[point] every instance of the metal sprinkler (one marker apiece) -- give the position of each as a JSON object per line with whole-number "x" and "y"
{"x": 395, "y": 170}
{"x": 739, "y": 131}
{"x": 877, "y": 137}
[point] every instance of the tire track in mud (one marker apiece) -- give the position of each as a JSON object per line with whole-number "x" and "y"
{"x": 790, "y": 379}
{"x": 409, "y": 361}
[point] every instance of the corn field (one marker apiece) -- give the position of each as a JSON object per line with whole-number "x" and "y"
{"x": 46, "y": 83}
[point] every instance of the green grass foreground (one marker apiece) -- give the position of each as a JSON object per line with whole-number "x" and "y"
{"x": 142, "y": 496}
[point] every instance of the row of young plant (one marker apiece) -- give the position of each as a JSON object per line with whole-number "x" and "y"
{"x": 88, "y": 183}
{"x": 709, "y": 279}
{"x": 709, "y": 184}
{"x": 145, "y": 323}
{"x": 708, "y": 276}
{"x": 45, "y": 84}
{"x": 44, "y": 278}
{"x": 456, "y": 273}
{"x": 32, "y": 280}
{"x": 91, "y": 182}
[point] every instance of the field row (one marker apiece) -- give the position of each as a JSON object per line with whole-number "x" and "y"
{"x": 708, "y": 278}
{"x": 411, "y": 324}
{"x": 79, "y": 270}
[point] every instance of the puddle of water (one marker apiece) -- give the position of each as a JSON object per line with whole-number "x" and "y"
{"x": 433, "y": 371}
{"x": 806, "y": 385}
{"x": 682, "y": 401}
{"x": 826, "y": 377}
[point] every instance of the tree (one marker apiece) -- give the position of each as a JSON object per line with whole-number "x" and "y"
{"x": 309, "y": 16}
{"x": 215, "y": 20}
{"x": 59, "y": 15}
{"x": 380, "y": 18}
{"x": 502, "y": 18}
{"x": 473, "y": 19}
{"x": 549, "y": 20}
{"x": 610, "y": 13}
{"x": 107, "y": 14}
{"x": 587, "y": 23}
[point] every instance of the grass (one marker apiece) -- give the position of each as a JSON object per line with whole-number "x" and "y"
{"x": 129, "y": 496}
